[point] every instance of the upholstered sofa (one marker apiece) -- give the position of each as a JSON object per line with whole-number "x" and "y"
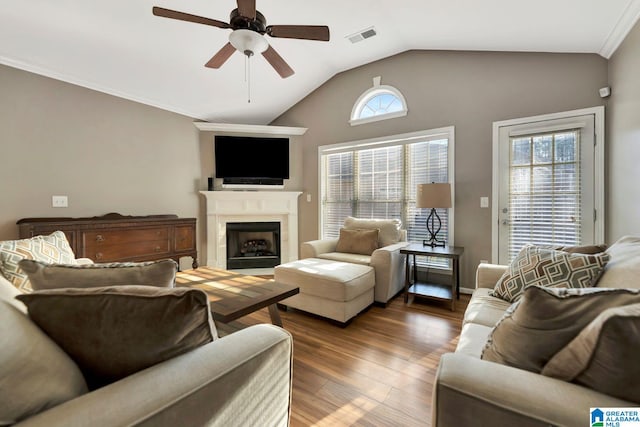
{"x": 238, "y": 380}
{"x": 469, "y": 390}
{"x": 387, "y": 261}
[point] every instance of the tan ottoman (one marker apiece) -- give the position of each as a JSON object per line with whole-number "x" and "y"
{"x": 333, "y": 289}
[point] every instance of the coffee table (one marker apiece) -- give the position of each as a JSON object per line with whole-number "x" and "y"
{"x": 233, "y": 295}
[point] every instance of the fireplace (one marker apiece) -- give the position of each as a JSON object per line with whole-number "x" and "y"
{"x": 225, "y": 207}
{"x": 253, "y": 244}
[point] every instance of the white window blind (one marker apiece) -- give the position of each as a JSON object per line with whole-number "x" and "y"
{"x": 544, "y": 190}
{"x": 379, "y": 180}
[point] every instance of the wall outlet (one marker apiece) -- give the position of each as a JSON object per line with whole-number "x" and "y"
{"x": 484, "y": 202}
{"x": 308, "y": 197}
{"x": 59, "y": 201}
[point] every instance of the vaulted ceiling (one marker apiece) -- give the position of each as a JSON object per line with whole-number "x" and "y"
{"x": 121, "y": 48}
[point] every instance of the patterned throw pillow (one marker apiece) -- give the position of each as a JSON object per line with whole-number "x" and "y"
{"x": 53, "y": 248}
{"x": 546, "y": 267}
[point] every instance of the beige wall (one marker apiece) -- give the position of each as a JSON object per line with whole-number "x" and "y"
{"x": 623, "y": 122}
{"x": 469, "y": 90}
{"x": 112, "y": 155}
{"x": 105, "y": 153}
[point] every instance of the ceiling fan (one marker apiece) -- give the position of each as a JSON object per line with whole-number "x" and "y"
{"x": 248, "y": 29}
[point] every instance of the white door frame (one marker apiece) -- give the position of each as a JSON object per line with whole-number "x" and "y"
{"x": 599, "y": 165}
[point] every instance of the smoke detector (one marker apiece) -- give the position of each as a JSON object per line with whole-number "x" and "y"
{"x": 362, "y": 34}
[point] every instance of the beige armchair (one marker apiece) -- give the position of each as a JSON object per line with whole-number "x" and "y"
{"x": 387, "y": 261}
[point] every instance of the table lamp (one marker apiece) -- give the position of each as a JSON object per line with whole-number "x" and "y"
{"x": 433, "y": 196}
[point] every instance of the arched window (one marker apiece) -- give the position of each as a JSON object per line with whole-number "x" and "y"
{"x": 380, "y": 102}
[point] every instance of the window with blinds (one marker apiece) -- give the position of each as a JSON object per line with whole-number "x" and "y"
{"x": 378, "y": 179}
{"x": 544, "y": 190}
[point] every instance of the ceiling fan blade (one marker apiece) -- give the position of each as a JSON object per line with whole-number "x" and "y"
{"x": 221, "y": 57}
{"x": 306, "y": 32}
{"x": 181, "y": 16}
{"x": 247, "y": 8}
{"x": 277, "y": 62}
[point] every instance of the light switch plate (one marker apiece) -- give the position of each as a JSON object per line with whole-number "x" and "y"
{"x": 484, "y": 202}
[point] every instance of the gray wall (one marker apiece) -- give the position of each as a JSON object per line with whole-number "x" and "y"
{"x": 469, "y": 90}
{"x": 112, "y": 155}
{"x": 105, "y": 153}
{"x": 623, "y": 123}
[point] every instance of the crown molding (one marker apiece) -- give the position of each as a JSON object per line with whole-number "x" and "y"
{"x": 240, "y": 128}
{"x": 617, "y": 35}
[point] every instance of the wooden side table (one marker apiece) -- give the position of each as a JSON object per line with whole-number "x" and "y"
{"x": 437, "y": 291}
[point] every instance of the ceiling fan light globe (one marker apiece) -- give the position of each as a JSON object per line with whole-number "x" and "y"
{"x": 247, "y": 40}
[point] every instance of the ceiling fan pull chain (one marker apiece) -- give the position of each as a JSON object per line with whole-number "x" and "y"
{"x": 248, "y": 78}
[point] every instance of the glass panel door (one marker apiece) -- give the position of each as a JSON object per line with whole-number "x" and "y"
{"x": 546, "y": 193}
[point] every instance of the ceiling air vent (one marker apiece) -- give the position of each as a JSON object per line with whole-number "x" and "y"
{"x": 362, "y": 34}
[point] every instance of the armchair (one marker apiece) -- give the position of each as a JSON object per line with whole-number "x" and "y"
{"x": 387, "y": 261}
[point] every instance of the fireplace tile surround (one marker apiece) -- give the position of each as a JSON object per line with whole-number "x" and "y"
{"x": 224, "y": 207}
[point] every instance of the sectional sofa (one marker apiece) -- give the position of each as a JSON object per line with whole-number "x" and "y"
{"x": 469, "y": 390}
{"x": 238, "y": 380}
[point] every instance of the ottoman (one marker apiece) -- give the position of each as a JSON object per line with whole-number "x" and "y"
{"x": 333, "y": 289}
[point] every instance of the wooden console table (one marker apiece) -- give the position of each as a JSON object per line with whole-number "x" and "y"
{"x": 117, "y": 238}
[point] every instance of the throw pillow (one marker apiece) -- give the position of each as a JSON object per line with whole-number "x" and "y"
{"x": 35, "y": 374}
{"x": 544, "y": 320}
{"x": 53, "y": 249}
{"x": 112, "y": 332}
{"x": 585, "y": 249}
{"x": 541, "y": 266}
{"x": 362, "y": 242}
{"x": 624, "y": 268}
{"x": 53, "y": 276}
{"x": 604, "y": 355}
{"x": 389, "y": 228}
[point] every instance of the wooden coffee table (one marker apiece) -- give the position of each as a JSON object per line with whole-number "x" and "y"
{"x": 233, "y": 295}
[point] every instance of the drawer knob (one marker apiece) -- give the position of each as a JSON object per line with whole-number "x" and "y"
{"x": 157, "y": 248}
{"x": 99, "y": 255}
{"x": 99, "y": 238}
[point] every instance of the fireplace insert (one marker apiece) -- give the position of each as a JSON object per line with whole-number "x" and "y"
{"x": 253, "y": 245}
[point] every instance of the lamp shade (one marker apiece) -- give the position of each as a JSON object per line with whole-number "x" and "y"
{"x": 248, "y": 41}
{"x": 433, "y": 195}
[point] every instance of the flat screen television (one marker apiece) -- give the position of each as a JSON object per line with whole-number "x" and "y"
{"x": 251, "y": 160}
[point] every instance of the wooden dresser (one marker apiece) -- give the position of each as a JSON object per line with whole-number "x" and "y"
{"x": 117, "y": 238}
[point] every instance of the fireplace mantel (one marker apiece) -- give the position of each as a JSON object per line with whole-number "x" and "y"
{"x": 250, "y": 206}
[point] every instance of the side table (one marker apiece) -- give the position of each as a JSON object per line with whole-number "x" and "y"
{"x": 437, "y": 291}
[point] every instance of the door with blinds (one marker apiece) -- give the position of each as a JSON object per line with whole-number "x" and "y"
{"x": 546, "y": 193}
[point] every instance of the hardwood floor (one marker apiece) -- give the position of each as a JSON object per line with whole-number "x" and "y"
{"x": 378, "y": 371}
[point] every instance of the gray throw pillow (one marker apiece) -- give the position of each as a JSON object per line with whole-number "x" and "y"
{"x": 54, "y": 276}
{"x": 545, "y": 320}
{"x": 35, "y": 374}
{"x": 542, "y": 266}
{"x": 112, "y": 332}
{"x": 604, "y": 355}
